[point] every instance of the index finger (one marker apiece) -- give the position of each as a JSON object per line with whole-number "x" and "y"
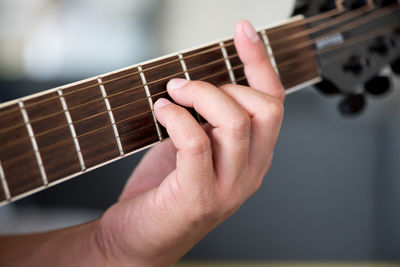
{"x": 257, "y": 66}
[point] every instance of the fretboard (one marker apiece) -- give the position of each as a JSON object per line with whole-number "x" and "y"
{"x": 56, "y": 135}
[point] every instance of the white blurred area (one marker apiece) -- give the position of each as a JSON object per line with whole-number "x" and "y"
{"x": 190, "y": 23}
{"x": 67, "y": 39}
{"x": 48, "y": 39}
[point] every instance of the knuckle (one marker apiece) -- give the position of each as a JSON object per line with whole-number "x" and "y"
{"x": 240, "y": 123}
{"x": 272, "y": 109}
{"x": 198, "y": 145}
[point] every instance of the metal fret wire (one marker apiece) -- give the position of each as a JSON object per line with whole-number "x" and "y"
{"x": 111, "y": 116}
{"x": 72, "y": 130}
{"x": 150, "y": 100}
{"x": 4, "y": 184}
{"x": 34, "y": 143}
{"x": 228, "y": 62}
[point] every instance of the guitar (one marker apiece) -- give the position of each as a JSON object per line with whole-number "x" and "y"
{"x": 53, "y": 136}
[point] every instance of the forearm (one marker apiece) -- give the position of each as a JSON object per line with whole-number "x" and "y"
{"x": 75, "y": 246}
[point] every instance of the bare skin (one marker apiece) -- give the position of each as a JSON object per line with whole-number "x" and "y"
{"x": 183, "y": 187}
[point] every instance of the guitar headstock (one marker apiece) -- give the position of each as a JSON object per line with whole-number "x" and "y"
{"x": 361, "y": 41}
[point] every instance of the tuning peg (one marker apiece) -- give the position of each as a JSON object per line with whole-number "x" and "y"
{"x": 327, "y": 88}
{"x": 378, "y": 85}
{"x": 356, "y": 64}
{"x": 381, "y": 46}
{"x": 396, "y": 66}
{"x": 352, "y": 104}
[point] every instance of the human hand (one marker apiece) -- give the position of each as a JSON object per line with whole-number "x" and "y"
{"x": 186, "y": 186}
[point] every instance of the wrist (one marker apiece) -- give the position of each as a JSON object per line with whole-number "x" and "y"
{"x": 108, "y": 248}
{"x": 119, "y": 244}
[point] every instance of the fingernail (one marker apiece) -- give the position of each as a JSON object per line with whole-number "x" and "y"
{"x": 162, "y": 102}
{"x": 176, "y": 83}
{"x": 250, "y": 32}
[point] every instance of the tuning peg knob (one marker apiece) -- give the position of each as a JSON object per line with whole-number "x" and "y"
{"x": 352, "y": 104}
{"x": 381, "y": 46}
{"x": 396, "y": 66}
{"x": 327, "y": 88}
{"x": 356, "y": 64}
{"x": 378, "y": 85}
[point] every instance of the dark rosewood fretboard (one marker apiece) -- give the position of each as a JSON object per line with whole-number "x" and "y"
{"x": 56, "y": 135}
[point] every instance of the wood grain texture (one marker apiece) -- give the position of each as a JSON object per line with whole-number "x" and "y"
{"x": 131, "y": 109}
{"x": 53, "y": 136}
{"x": 16, "y": 153}
{"x": 92, "y": 123}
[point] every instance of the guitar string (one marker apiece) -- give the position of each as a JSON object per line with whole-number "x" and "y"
{"x": 342, "y": 29}
{"x": 119, "y": 107}
{"x": 366, "y": 19}
{"x": 216, "y": 47}
{"x": 345, "y": 17}
{"x": 130, "y": 89}
{"x": 371, "y": 35}
{"x": 313, "y": 19}
{"x": 281, "y": 65}
{"x": 165, "y": 78}
{"x": 229, "y": 43}
{"x": 338, "y": 20}
{"x": 43, "y": 149}
{"x": 351, "y": 41}
{"x": 140, "y": 86}
{"x": 348, "y": 41}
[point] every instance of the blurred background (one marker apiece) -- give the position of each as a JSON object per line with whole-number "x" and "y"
{"x": 333, "y": 192}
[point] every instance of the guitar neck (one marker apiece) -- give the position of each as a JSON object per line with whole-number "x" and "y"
{"x": 56, "y": 135}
